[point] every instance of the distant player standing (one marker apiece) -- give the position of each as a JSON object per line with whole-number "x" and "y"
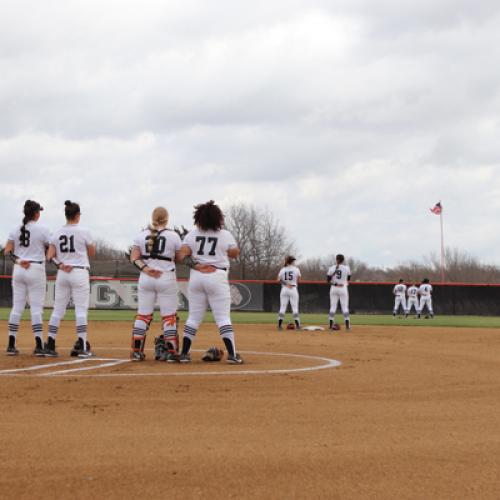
{"x": 70, "y": 249}
{"x": 154, "y": 252}
{"x": 425, "y": 292}
{"x": 289, "y": 278}
{"x": 412, "y": 300}
{"x": 26, "y": 245}
{"x": 338, "y": 276}
{"x": 207, "y": 250}
{"x": 399, "y": 292}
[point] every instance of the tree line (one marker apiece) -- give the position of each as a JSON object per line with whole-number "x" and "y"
{"x": 264, "y": 244}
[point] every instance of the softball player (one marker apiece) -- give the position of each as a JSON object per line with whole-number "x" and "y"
{"x": 338, "y": 276}
{"x": 412, "y": 300}
{"x": 26, "y": 246}
{"x": 154, "y": 253}
{"x": 289, "y": 278}
{"x": 70, "y": 249}
{"x": 399, "y": 292}
{"x": 425, "y": 292}
{"x": 207, "y": 250}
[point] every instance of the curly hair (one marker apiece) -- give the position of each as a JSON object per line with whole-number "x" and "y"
{"x": 71, "y": 209}
{"x": 159, "y": 217}
{"x": 208, "y": 216}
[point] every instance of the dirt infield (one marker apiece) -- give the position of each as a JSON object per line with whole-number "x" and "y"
{"x": 410, "y": 413}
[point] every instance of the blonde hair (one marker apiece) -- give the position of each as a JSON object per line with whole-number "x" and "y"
{"x": 159, "y": 217}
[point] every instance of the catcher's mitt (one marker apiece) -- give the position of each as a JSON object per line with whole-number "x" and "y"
{"x": 290, "y": 326}
{"x": 213, "y": 354}
{"x": 335, "y": 327}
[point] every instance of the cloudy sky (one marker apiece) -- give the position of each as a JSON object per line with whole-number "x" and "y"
{"x": 347, "y": 119}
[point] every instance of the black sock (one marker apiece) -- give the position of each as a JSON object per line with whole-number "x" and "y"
{"x": 229, "y": 346}
{"x": 280, "y": 323}
{"x": 12, "y": 341}
{"x": 186, "y": 345}
{"x": 331, "y": 323}
{"x": 51, "y": 343}
{"x": 347, "y": 323}
{"x": 297, "y": 324}
{"x": 38, "y": 342}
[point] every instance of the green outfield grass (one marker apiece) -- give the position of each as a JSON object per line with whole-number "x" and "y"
{"x": 307, "y": 319}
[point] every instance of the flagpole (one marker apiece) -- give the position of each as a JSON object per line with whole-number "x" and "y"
{"x": 442, "y": 246}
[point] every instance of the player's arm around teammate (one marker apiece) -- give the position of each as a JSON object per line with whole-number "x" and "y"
{"x": 209, "y": 247}
{"x": 154, "y": 253}
{"x": 289, "y": 277}
{"x": 70, "y": 249}
{"x": 26, "y": 247}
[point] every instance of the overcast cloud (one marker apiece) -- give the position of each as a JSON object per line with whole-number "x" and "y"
{"x": 347, "y": 119}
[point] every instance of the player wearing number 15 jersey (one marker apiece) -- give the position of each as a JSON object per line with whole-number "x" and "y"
{"x": 209, "y": 247}
{"x": 69, "y": 250}
{"x": 26, "y": 245}
{"x": 338, "y": 276}
{"x": 289, "y": 278}
{"x": 154, "y": 252}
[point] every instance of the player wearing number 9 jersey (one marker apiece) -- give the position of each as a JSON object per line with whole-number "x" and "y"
{"x": 154, "y": 252}
{"x": 338, "y": 276}
{"x": 70, "y": 249}
{"x": 26, "y": 246}
{"x": 209, "y": 247}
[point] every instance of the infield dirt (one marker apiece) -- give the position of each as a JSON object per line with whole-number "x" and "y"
{"x": 410, "y": 413}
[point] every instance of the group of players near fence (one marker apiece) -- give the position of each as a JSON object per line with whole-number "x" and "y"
{"x": 206, "y": 250}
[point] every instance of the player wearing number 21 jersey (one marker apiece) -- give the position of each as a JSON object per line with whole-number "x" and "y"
{"x": 69, "y": 250}
{"x": 209, "y": 247}
{"x": 26, "y": 245}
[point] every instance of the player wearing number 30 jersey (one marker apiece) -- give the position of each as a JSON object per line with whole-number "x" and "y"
{"x": 69, "y": 250}
{"x": 154, "y": 252}
{"x": 26, "y": 245}
{"x": 209, "y": 248}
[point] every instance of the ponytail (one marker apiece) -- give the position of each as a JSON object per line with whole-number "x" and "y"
{"x": 31, "y": 208}
{"x": 159, "y": 218}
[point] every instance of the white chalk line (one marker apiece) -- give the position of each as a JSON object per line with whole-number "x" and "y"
{"x": 109, "y": 362}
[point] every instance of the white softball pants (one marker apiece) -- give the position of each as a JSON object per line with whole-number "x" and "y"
{"x": 28, "y": 285}
{"x": 289, "y": 295}
{"x": 162, "y": 290}
{"x": 426, "y": 302}
{"x": 400, "y": 300}
{"x": 74, "y": 286}
{"x": 412, "y": 302}
{"x": 209, "y": 289}
{"x": 339, "y": 294}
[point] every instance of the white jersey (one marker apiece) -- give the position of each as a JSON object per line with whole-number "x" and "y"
{"x": 289, "y": 275}
{"x": 400, "y": 290}
{"x": 339, "y": 274}
{"x": 162, "y": 256}
{"x": 425, "y": 290}
{"x": 30, "y": 244}
{"x": 210, "y": 247}
{"x": 413, "y": 292}
{"x": 71, "y": 242}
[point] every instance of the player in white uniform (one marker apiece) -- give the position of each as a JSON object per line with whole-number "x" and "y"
{"x": 70, "y": 249}
{"x": 26, "y": 245}
{"x": 289, "y": 278}
{"x": 154, "y": 252}
{"x": 338, "y": 276}
{"x": 412, "y": 300}
{"x": 399, "y": 292}
{"x": 209, "y": 247}
{"x": 425, "y": 292}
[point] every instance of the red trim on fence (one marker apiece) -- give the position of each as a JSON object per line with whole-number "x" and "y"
{"x": 308, "y": 282}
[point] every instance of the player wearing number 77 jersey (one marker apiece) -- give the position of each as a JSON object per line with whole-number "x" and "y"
{"x": 69, "y": 250}
{"x": 209, "y": 247}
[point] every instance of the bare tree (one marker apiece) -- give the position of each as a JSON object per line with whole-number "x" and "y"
{"x": 262, "y": 240}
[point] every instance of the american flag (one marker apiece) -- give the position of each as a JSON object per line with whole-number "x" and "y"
{"x": 437, "y": 208}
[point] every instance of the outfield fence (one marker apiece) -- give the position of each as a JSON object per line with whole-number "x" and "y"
{"x": 375, "y": 298}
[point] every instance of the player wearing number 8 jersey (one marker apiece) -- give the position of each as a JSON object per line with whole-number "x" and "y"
{"x": 26, "y": 246}
{"x": 289, "y": 279}
{"x": 208, "y": 248}
{"x": 338, "y": 276}
{"x": 154, "y": 252}
{"x": 70, "y": 249}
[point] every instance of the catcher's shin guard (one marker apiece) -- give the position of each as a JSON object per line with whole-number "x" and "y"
{"x": 170, "y": 333}
{"x": 141, "y": 326}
